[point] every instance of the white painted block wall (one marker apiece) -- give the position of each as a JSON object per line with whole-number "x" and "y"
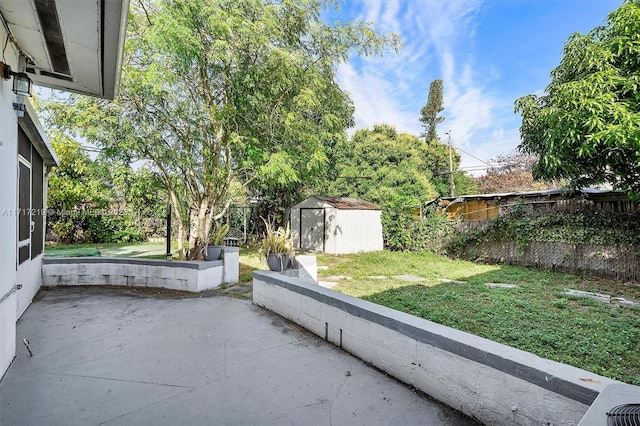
{"x": 175, "y": 275}
{"x": 494, "y": 383}
{"x": 8, "y": 202}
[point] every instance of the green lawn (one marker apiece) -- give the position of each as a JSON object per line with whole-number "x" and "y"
{"x": 536, "y": 316}
{"x": 141, "y": 250}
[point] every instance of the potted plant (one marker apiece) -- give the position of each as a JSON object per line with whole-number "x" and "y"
{"x": 276, "y": 247}
{"x": 216, "y": 240}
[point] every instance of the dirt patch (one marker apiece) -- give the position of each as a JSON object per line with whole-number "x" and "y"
{"x": 240, "y": 290}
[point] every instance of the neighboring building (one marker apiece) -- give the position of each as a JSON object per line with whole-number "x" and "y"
{"x": 64, "y": 44}
{"x": 485, "y": 207}
{"x": 336, "y": 225}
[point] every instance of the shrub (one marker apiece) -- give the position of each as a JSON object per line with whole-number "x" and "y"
{"x": 402, "y": 232}
{"x": 577, "y": 227}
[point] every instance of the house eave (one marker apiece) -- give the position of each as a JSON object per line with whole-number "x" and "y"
{"x": 70, "y": 45}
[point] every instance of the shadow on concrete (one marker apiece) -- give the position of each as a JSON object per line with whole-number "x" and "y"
{"x": 106, "y": 358}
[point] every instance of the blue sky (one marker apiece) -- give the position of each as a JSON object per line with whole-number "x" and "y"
{"x": 487, "y": 52}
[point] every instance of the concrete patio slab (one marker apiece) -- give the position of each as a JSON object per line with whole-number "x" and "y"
{"x": 102, "y": 357}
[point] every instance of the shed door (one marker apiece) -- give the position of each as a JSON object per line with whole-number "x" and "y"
{"x": 312, "y": 229}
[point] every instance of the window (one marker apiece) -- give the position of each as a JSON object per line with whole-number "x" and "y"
{"x": 24, "y": 198}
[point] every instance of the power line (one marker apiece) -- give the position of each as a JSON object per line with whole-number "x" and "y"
{"x": 473, "y": 156}
{"x": 90, "y": 148}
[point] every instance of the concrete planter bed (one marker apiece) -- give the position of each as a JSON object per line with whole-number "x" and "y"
{"x": 193, "y": 276}
{"x": 494, "y": 383}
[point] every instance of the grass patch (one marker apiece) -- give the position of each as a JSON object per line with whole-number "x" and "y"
{"x": 536, "y": 316}
{"x": 250, "y": 261}
{"x": 146, "y": 250}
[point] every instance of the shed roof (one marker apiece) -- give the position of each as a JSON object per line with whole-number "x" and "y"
{"x": 348, "y": 203}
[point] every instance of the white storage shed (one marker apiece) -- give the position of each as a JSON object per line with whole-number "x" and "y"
{"x": 336, "y": 225}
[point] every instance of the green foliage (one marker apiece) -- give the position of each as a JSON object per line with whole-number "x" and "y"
{"x": 112, "y": 229}
{"x": 586, "y": 128}
{"x": 430, "y": 112}
{"x": 385, "y": 167}
{"x": 96, "y": 200}
{"x": 587, "y": 227}
{"x": 226, "y": 91}
{"x": 402, "y": 232}
{"x": 465, "y": 184}
{"x": 395, "y": 170}
{"x": 73, "y": 192}
{"x": 276, "y": 240}
{"x": 217, "y": 236}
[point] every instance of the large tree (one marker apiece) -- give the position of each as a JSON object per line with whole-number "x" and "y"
{"x": 225, "y": 91}
{"x": 385, "y": 167}
{"x": 586, "y": 127}
{"x": 430, "y": 112}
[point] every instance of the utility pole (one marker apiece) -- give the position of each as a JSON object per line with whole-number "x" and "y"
{"x": 452, "y": 182}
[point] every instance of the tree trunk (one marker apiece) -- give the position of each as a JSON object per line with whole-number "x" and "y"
{"x": 181, "y": 235}
{"x": 175, "y": 204}
{"x": 199, "y": 226}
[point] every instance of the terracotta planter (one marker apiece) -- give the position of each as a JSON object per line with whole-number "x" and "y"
{"x": 278, "y": 262}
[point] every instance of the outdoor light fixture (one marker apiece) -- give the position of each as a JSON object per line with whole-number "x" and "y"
{"x": 21, "y": 87}
{"x": 21, "y": 81}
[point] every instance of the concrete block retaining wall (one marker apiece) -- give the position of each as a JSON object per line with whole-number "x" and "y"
{"x": 491, "y": 382}
{"x": 193, "y": 276}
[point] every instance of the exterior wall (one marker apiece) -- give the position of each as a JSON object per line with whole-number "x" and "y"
{"x": 8, "y": 202}
{"x": 30, "y": 278}
{"x": 175, "y": 275}
{"x": 494, "y": 383}
{"x": 7, "y": 331}
{"x": 358, "y": 231}
{"x": 332, "y": 230}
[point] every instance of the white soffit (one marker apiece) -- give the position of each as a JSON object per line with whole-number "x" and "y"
{"x": 75, "y": 45}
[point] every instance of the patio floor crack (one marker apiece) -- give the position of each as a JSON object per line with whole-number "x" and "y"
{"x": 122, "y": 380}
{"x": 334, "y": 400}
{"x": 144, "y": 407}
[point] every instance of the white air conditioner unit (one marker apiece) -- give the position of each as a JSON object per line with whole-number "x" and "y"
{"x": 617, "y": 405}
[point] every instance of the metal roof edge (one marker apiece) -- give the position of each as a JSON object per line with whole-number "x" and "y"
{"x": 31, "y": 125}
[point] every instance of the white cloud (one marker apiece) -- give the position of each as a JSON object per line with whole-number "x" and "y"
{"x": 375, "y": 101}
{"x": 438, "y": 39}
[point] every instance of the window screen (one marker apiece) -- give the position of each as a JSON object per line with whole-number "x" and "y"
{"x": 24, "y": 145}
{"x": 23, "y": 254}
